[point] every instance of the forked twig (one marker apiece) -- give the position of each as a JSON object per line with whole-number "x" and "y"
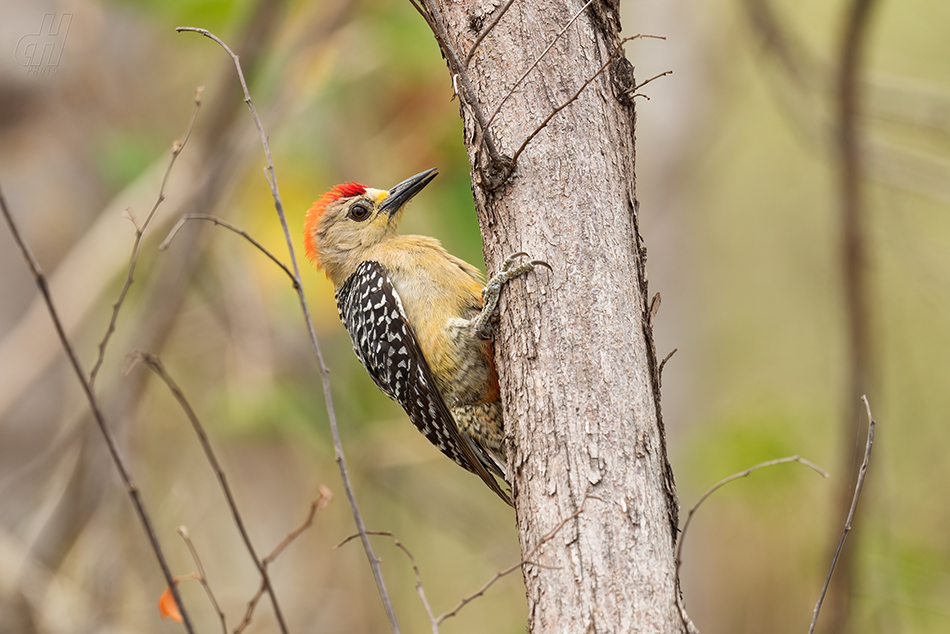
{"x": 202, "y": 579}
{"x": 131, "y": 488}
{"x": 177, "y": 147}
{"x": 847, "y": 524}
{"x": 227, "y": 225}
{"x": 736, "y": 476}
{"x": 434, "y": 621}
{"x": 415, "y": 569}
{"x": 155, "y": 365}
{"x": 324, "y": 372}
{"x": 633, "y": 91}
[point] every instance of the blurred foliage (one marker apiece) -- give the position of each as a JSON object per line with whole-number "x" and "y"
{"x": 738, "y": 208}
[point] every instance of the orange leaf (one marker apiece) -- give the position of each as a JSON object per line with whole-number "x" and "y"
{"x": 167, "y": 606}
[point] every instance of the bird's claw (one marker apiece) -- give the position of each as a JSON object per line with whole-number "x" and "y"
{"x": 529, "y": 265}
{"x": 492, "y": 289}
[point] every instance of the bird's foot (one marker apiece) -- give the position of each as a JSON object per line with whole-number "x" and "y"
{"x": 490, "y": 294}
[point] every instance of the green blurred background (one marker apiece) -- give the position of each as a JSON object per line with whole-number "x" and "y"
{"x": 738, "y": 197}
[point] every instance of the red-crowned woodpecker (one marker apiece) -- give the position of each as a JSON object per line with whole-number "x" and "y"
{"x": 418, "y": 318}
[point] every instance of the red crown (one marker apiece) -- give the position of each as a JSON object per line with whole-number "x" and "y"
{"x": 343, "y": 190}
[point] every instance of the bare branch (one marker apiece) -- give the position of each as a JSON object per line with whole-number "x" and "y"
{"x": 736, "y": 476}
{"x": 527, "y": 560}
{"x": 155, "y": 365}
{"x": 659, "y": 369}
{"x": 422, "y": 593}
{"x": 321, "y": 502}
{"x": 325, "y": 497}
{"x": 201, "y": 576}
{"x": 130, "y": 486}
{"x": 847, "y": 524}
{"x": 481, "y": 591}
{"x": 177, "y": 147}
{"x": 437, "y": 621}
{"x": 853, "y": 258}
{"x": 554, "y": 40}
{"x": 644, "y": 83}
{"x": 491, "y": 25}
{"x": 227, "y": 225}
{"x": 249, "y": 611}
{"x": 580, "y": 90}
{"x": 325, "y": 373}
{"x": 433, "y": 18}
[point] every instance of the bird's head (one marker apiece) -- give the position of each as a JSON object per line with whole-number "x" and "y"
{"x": 350, "y": 219}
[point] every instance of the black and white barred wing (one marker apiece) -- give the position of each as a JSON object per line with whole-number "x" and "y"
{"x": 386, "y": 345}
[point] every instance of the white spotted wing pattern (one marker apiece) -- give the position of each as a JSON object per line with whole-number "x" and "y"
{"x": 386, "y": 345}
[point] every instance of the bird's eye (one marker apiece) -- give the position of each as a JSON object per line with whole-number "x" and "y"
{"x": 359, "y": 212}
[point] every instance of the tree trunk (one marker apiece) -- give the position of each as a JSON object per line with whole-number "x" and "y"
{"x": 577, "y": 366}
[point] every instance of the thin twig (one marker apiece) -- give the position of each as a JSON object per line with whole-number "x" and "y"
{"x": 736, "y": 476}
{"x": 659, "y": 369}
{"x": 644, "y": 83}
{"x": 155, "y": 365}
{"x": 853, "y": 253}
{"x": 227, "y": 225}
{"x": 554, "y": 40}
{"x": 131, "y": 488}
{"x": 324, "y": 371}
{"x": 437, "y": 621}
{"x": 525, "y": 561}
{"x": 249, "y": 611}
{"x": 177, "y": 147}
{"x": 201, "y": 576}
{"x": 433, "y": 18}
{"x": 481, "y": 591}
{"x": 847, "y": 524}
{"x": 484, "y": 131}
{"x": 491, "y": 25}
{"x": 580, "y": 90}
{"x": 324, "y": 498}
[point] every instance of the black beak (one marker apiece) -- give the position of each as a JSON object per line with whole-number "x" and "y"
{"x": 404, "y": 191}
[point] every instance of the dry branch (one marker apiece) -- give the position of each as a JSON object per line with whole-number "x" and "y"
{"x": 202, "y": 578}
{"x": 155, "y": 365}
{"x": 177, "y": 147}
{"x": 325, "y": 497}
{"x": 735, "y": 476}
{"x": 859, "y": 485}
{"x": 415, "y": 569}
{"x": 488, "y": 29}
{"x": 117, "y": 459}
{"x": 853, "y": 257}
{"x": 227, "y": 225}
{"x": 324, "y": 371}
{"x": 577, "y": 94}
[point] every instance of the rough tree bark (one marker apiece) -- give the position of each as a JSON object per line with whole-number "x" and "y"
{"x": 578, "y": 369}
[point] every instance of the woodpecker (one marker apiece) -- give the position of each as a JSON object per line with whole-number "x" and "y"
{"x": 418, "y": 318}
